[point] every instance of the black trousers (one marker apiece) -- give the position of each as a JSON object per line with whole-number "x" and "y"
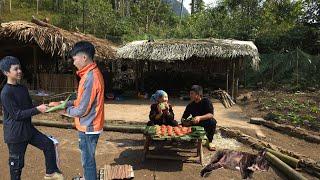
{"x": 163, "y": 122}
{"x": 210, "y": 128}
{"x": 17, "y": 152}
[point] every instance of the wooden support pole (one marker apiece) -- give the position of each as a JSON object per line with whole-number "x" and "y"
{"x": 237, "y": 75}
{"x": 227, "y": 78}
{"x": 35, "y": 69}
{"x": 233, "y": 78}
{"x": 137, "y": 76}
{"x": 245, "y": 73}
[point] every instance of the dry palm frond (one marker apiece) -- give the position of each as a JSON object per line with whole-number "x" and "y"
{"x": 54, "y": 40}
{"x": 184, "y": 49}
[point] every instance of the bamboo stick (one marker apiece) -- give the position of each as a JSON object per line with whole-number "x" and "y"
{"x": 308, "y": 165}
{"x": 293, "y": 162}
{"x": 287, "y": 129}
{"x": 116, "y": 128}
{"x": 284, "y": 168}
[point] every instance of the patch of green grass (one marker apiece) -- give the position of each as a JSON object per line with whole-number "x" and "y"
{"x": 25, "y": 13}
{"x": 290, "y": 108}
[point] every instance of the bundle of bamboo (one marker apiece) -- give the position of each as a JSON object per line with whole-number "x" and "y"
{"x": 224, "y": 97}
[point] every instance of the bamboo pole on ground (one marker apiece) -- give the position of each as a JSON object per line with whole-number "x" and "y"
{"x": 308, "y": 165}
{"x": 284, "y": 168}
{"x": 67, "y": 125}
{"x": 287, "y": 129}
{"x": 293, "y": 162}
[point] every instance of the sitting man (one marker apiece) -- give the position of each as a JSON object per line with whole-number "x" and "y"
{"x": 161, "y": 112}
{"x": 201, "y": 110}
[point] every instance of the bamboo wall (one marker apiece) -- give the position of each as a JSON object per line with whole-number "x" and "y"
{"x": 57, "y": 83}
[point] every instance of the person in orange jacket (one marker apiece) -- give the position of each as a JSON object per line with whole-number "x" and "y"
{"x": 88, "y": 108}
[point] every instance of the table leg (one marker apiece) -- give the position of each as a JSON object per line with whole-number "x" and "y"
{"x": 200, "y": 151}
{"x": 146, "y": 146}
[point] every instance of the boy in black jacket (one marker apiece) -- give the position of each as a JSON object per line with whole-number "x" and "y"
{"x": 18, "y": 130}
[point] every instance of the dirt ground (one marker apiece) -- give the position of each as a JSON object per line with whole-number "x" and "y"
{"x": 121, "y": 148}
{"x": 114, "y": 148}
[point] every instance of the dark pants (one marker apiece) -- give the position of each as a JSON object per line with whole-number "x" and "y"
{"x": 210, "y": 128}
{"x": 17, "y": 152}
{"x": 87, "y": 145}
{"x": 160, "y": 122}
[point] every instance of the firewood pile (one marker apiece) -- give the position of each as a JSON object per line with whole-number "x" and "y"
{"x": 224, "y": 97}
{"x": 109, "y": 172}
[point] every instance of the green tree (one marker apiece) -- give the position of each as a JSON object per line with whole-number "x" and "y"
{"x": 95, "y": 16}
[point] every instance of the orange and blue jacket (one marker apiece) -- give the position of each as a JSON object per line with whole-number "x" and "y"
{"x": 88, "y": 108}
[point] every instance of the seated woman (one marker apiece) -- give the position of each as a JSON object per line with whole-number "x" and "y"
{"x": 161, "y": 112}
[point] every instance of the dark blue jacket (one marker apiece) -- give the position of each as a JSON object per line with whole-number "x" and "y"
{"x": 17, "y": 112}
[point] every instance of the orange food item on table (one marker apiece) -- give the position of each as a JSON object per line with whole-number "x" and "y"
{"x": 184, "y": 130}
{"x": 170, "y": 130}
{"x": 189, "y": 130}
{"x": 177, "y": 131}
{"x": 163, "y": 127}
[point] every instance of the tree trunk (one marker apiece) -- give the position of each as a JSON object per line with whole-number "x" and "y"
{"x": 128, "y": 8}
{"x": 181, "y": 8}
{"x": 192, "y": 6}
{"x": 297, "y": 67}
{"x": 37, "y": 6}
{"x": 83, "y": 5}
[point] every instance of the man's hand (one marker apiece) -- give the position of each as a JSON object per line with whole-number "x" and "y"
{"x": 166, "y": 105}
{"x": 196, "y": 119}
{"x": 159, "y": 108}
{"x": 42, "y": 108}
{"x": 51, "y": 104}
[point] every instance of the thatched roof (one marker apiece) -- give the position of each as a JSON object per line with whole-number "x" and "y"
{"x": 52, "y": 39}
{"x": 181, "y": 50}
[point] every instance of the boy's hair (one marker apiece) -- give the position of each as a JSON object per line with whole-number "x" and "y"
{"x": 6, "y": 62}
{"x": 197, "y": 89}
{"x": 83, "y": 47}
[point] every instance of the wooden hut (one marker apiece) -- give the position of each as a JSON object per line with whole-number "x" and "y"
{"x": 221, "y": 57}
{"x": 43, "y": 49}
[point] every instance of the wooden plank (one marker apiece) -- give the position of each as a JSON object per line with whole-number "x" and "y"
{"x": 105, "y": 172}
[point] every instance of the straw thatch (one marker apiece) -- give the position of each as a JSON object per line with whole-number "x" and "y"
{"x": 181, "y": 50}
{"x": 54, "y": 40}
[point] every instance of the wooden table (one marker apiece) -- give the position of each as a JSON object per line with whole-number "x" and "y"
{"x": 197, "y": 141}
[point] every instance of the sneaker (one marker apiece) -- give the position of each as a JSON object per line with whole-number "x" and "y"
{"x": 54, "y": 176}
{"x": 211, "y": 146}
{"x": 204, "y": 142}
{"x": 78, "y": 178}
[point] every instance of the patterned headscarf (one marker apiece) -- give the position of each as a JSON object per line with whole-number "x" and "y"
{"x": 157, "y": 95}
